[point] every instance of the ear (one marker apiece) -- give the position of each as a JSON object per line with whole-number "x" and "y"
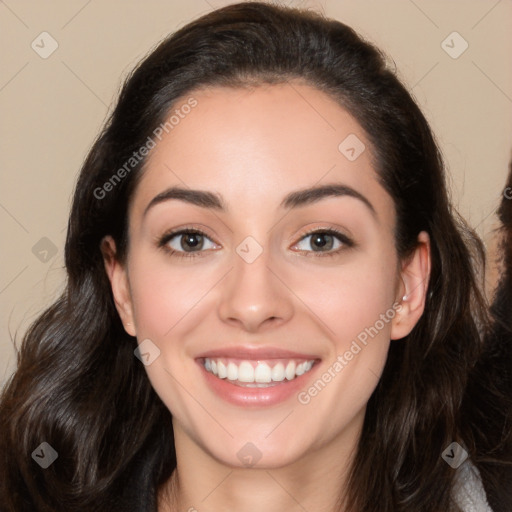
{"x": 118, "y": 277}
{"x": 412, "y": 292}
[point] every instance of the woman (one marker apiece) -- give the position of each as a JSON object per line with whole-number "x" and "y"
{"x": 269, "y": 303}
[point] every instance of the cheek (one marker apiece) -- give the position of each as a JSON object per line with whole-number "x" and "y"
{"x": 163, "y": 294}
{"x": 167, "y": 301}
{"x": 351, "y": 298}
{"x": 356, "y": 306}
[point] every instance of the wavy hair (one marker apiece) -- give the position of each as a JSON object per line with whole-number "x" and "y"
{"x": 488, "y": 400}
{"x": 78, "y": 385}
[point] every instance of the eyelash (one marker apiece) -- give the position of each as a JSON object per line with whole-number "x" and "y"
{"x": 165, "y": 239}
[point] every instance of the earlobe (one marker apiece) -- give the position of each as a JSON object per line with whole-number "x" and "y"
{"x": 415, "y": 275}
{"x": 119, "y": 284}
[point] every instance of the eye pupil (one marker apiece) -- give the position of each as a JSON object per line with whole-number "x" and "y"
{"x": 191, "y": 241}
{"x": 319, "y": 240}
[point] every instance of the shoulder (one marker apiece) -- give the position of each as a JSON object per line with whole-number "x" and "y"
{"x": 468, "y": 490}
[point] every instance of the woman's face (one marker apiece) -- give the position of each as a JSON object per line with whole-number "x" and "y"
{"x": 296, "y": 326}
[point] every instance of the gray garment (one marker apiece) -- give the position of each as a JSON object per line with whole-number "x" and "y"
{"x": 468, "y": 491}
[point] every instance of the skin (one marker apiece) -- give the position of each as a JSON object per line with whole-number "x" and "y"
{"x": 254, "y": 146}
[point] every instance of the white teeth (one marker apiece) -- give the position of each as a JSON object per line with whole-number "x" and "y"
{"x": 301, "y": 368}
{"x": 278, "y": 372}
{"x": 290, "y": 370}
{"x": 232, "y": 371}
{"x": 261, "y": 374}
{"x": 222, "y": 370}
{"x": 245, "y": 372}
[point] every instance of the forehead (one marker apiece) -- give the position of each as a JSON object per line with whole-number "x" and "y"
{"x": 253, "y": 146}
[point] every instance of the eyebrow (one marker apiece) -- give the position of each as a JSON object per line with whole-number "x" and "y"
{"x": 296, "y": 199}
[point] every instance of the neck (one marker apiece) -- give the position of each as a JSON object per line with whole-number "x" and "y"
{"x": 315, "y": 482}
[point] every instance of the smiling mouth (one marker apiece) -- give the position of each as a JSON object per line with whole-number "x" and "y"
{"x": 257, "y": 373}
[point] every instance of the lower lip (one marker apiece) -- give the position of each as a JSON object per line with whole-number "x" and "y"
{"x": 255, "y": 397}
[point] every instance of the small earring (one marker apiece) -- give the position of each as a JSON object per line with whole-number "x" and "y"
{"x": 404, "y": 298}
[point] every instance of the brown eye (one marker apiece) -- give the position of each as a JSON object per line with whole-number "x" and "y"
{"x": 186, "y": 241}
{"x": 327, "y": 241}
{"x": 322, "y": 240}
{"x": 191, "y": 241}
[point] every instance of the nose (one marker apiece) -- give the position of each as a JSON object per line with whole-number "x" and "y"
{"x": 255, "y": 295}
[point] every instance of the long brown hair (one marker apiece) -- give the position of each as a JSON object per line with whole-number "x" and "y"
{"x": 487, "y": 410}
{"x": 78, "y": 385}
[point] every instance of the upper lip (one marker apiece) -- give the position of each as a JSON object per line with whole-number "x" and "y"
{"x": 247, "y": 352}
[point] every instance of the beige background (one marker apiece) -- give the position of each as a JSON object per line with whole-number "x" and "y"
{"x": 51, "y": 110}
